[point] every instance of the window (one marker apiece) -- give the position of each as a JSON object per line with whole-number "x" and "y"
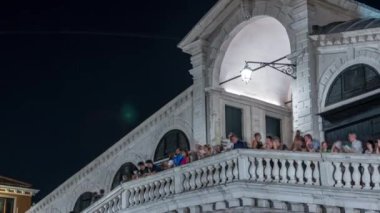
{"x": 83, "y": 202}
{"x": 353, "y": 81}
{"x": 234, "y": 122}
{"x": 273, "y": 126}
{"x": 123, "y": 174}
{"x": 6, "y": 205}
{"x": 169, "y": 143}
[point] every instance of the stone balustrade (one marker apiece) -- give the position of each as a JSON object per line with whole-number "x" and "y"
{"x": 315, "y": 171}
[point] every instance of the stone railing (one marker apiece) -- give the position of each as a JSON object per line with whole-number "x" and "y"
{"x": 360, "y": 173}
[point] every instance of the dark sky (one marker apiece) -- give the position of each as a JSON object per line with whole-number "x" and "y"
{"x": 66, "y": 98}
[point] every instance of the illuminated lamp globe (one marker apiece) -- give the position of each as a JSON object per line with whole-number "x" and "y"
{"x": 246, "y": 74}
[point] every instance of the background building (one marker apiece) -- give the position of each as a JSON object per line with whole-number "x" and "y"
{"x": 15, "y": 196}
{"x": 335, "y": 47}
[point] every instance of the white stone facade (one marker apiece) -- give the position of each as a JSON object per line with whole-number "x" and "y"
{"x": 199, "y": 111}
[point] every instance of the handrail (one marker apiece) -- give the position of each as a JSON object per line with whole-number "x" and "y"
{"x": 358, "y": 172}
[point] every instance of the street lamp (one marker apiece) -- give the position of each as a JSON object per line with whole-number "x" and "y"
{"x": 246, "y": 73}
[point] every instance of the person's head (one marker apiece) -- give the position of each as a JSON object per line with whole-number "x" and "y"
{"x": 257, "y": 137}
{"x": 101, "y": 191}
{"x": 298, "y": 133}
{"x": 308, "y": 138}
{"x": 141, "y": 165}
{"x": 269, "y": 142}
{"x": 299, "y": 142}
{"x": 149, "y": 164}
{"x": 352, "y": 137}
{"x": 268, "y": 139}
{"x": 337, "y": 147}
{"x": 218, "y": 149}
{"x": 369, "y": 145}
{"x": 233, "y": 138}
{"x": 378, "y": 142}
{"x": 276, "y": 142}
{"x": 185, "y": 153}
{"x": 324, "y": 145}
{"x": 178, "y": 151}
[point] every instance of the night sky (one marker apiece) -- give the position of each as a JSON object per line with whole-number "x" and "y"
{"x": 67, "y": 97}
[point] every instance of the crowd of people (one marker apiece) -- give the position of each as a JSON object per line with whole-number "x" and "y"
{"x": 301, "y": 143}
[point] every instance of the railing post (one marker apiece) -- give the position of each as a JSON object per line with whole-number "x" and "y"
{"x": 326, "y": 172}
{"x": 178, "y": 180}
{"x": 243, "y": 167}
{"x": 124, "y": 199}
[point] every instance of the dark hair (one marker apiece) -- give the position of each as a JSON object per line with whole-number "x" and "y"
{"x": 141, "y": 163}
{"x": 257, "y": 134}
{"x": 269, "y": 137}
{"x": 149, "y": 161}
{"x": 308, "y": 136}
{"x": 276, "y": 138}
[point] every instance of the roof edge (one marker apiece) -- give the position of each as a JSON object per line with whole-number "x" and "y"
{"x": 204, "y": 22}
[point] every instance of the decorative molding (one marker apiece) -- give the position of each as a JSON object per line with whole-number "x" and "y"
{"x": 346, "y": 38}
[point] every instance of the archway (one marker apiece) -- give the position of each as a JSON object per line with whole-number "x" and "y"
{"x": 263, "y": 39}
{"x": 123, "y": 174}
{"x": 169, "y": 143}
{"x": 83, "y": 202}
{"x": 361, "y": 116}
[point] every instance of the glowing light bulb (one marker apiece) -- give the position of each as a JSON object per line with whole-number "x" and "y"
{"x": 246, "y": 74}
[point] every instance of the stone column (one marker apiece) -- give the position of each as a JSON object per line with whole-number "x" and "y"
{"x": 304, "y": 89}
{"x": 197, "y": 50}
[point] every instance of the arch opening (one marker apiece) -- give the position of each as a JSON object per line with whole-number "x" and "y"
{"x": 169, "y": 143}
{"x": 262, "y": 39}
{"x": 123, "y": 174}
{"x": 83, "y": 202}
{"x": 361, "y": 116}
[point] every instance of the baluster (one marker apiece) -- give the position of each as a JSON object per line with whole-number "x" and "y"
{"x": 141, "y": 195}
{"x": 210, "y": 181}
{"x": 167, "y": 186}
{"x": 376, "y": 177}
{"x": 338, "y": 174}
{"x": 198, "y": 179}
{"x": 186, "y": 185}
{"x": 292, "y": 172}
{"x": 283, "y": 171}
{"x": 356, "y": 176}
{"x": 276, "y": 171}
{"x": 115, "y": 207}
{"x": 268, "y": 170}
{"x": 300, "y": 172}
{"x": 162, "y": 188}
{"x": 216, "y": 176}
{"x": 252, "y": 168}
{"x": 229, "y": 171}
{"x": 308, "y": 173}
{"x": 316, "y": 173}
{"x": 347, "y": 175}
{"x": 157, "y": 190}
{"x": 366, "y": 176}
{"x": 260, "y": 170}
{"x": 131, "y": 197}
{"x": 223, "y": 176}
{"x": 137, "y": 195}
{"x": 204, "y": 177}
{"x": 109, "y": 206}
{"x": 235, "y": 170}
{"x": 151, "y": 191}
{"x": 127, "y": 196}
{"x": 146, "y": 193}
{"x": 172, "y": 186}
{"x": 192, "y": 184}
